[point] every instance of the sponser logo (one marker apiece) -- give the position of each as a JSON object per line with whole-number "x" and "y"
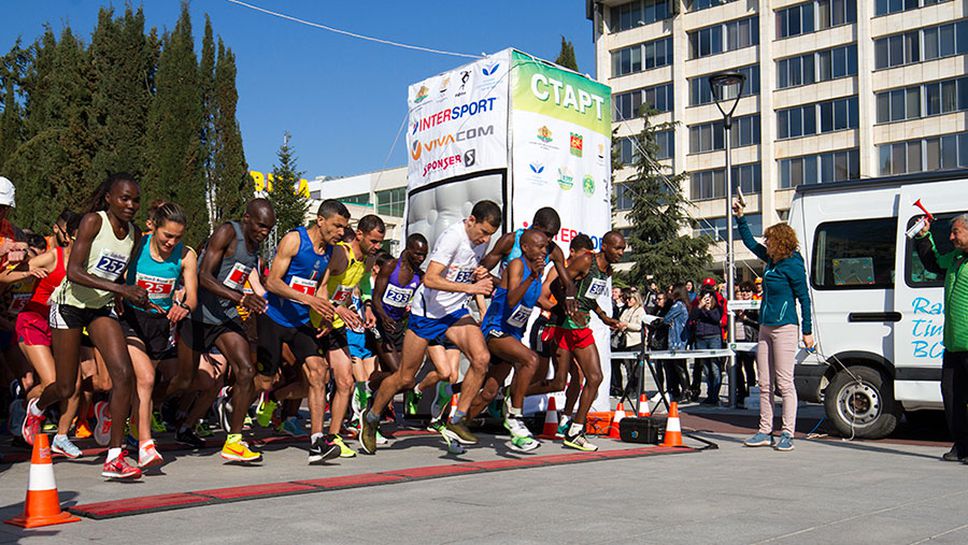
{"x": 565, "y": 179}
{"x": 443, "y": 116}
{"x": 417, "y": 148}
{"x": 442, "y": 164}
{"x": 588, "y": 185}
{"x": 422, "y": 93}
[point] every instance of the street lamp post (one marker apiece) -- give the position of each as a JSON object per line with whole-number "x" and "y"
{"x": 721, "y": 84}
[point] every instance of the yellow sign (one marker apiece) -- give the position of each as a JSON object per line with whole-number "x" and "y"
{"x": 263, "y": 182}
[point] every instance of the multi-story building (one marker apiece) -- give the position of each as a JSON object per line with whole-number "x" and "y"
{"x": 835, "y": 90}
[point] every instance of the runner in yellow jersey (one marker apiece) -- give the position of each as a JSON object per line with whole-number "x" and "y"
{"x": 346, "y": 269}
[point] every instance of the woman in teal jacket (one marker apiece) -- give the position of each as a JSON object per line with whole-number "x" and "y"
{"x": 784, "y": 280}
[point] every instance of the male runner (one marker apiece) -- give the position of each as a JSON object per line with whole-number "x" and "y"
{"x": 439, "y": 308}
{"x": 230, "y": 255}
{"x": 301, "y": 261}
{"x": 503, "y": 327}
{"x": 346, "y": 270}
{"x": 591, "y": 272}
{"x": 393, "y": 291}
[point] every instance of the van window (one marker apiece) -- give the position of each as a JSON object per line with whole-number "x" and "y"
{"x": 915, "y": 275}
{"x": 857, "y": 254}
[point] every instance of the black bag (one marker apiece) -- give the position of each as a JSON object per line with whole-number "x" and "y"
{"x": 647, "y": 429}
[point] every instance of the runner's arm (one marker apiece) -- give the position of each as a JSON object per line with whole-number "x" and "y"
{"x": 288, "y": 247}
{"x": 214, "y": 253}
{"x": 435, "y": 280}
{"x": 515, "y": 272}
{"x": 558, "y": 259}
{"x": 255, "y": 283}
{"x": 544, "y": 301}
{"x": 189, "y": 274}
{"x": 501, "y": 249}
{"x": 38, "y": 266}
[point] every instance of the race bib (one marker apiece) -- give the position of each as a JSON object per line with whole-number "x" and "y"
{"x": 596, "y": 288}
{"x": 237, "y": 277}
{"x": 109, "y": 265}
{"x": 303, "y": 285}
{"x": 342, "y": 295}
{"x": 18, "y": 302}
{"x": 397, "y": 297}
{"x": 519, "y": 317}
{"x": 157, "y": 287}
{"x": 461, "y": 276}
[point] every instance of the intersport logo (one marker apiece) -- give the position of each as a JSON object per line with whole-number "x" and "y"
{"x": 450, "y": 114}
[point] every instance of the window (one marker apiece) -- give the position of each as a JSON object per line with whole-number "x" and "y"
{"x": 363, "y": 198}
{"x": 832, "y": 13}
{"x": 940, "y": 97}
{"x": 840, "y": 114}
{"x": 795, "y": 71}
{"x": 797, "y": 122}
{"x": 837, "y": 63}
{"x": 645, "y": 56}
{"x": 710, "y": 136}
{"x": 391, "y": 201}
{"x": 666, "y": 140}
{"x": 623, "y": 197}
{"x": 640, "y": 12}
{"x": 921, "y": 45}
{"x": 916, "y": 275}
{"x": 701, "y": 93}
{"x": 629, "y": 152}
{"x": 795, "y": 20}
{"x": 697, "y": 5}
{"x": 856, "y": 254}
{"x": 884, "y": 7}
{"x": 711, "y": 184}
{"x": 628, "y": 105}
{"x": 836, "y": 166}
{"x": 715, "y": 228}
{"x": 937, "y": 153}
{"x": 709, "y": 41}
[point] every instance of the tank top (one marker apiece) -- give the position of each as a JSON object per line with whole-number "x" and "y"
{"x": 516, "y": 249}
{"x": 49, "y": 283}
{"x": 512, "y": 320}
{"x": 340, "y": 286}
{"x": 158, "y": 278}
{"x": 107, "y": 260}
{"x": 233, "y": 272}
{"x": 305, "y": 270}
{"x": 397, "y": 297}
{"x": 589, "y": 290}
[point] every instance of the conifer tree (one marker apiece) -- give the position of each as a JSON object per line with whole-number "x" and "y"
{"x": 206, "y": 81}
{"x": 658, "y": 218}
{"x": 290, "y": 206}
{"x": 566, "y": 57}
{"x": 12, "y": 69}
{"x": 232, "y": 186}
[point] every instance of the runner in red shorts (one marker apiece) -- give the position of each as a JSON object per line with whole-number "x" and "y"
{"x": 573, "y": 336}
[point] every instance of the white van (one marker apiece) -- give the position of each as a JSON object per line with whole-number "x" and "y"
{"x": 877, "y": 314}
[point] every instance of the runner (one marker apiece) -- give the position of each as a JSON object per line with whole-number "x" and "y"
{"x": 393, "y": 291}
{"x": 160, "y": 260}
{"x": 591, "y": 271}
{"x": 503, "y": 327}
{"x": 508, "y": 247}
{"x": 98, "y": 259}
{"x": 34, "y": 334}
{"x": 230, "y": 255}
{"x": 344, "y": 274}
{"x": 439, "y": 308}
{"x": 300, "y": 264}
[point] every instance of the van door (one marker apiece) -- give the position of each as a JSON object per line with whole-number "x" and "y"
{"x": 919, "y": 294}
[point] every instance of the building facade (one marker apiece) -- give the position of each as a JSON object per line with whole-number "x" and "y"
{"x": 835, "y": 90}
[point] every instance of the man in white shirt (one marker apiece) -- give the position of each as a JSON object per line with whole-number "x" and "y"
{"x": 439, "y": 308}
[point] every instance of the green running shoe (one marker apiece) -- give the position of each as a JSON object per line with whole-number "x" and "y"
{"x": 157, "y": 425}
{"x": 202, "y": 430}
{"x": 579, "y": 442}
{"x": 411, "y": 402}
{"x": 264, "y": 412}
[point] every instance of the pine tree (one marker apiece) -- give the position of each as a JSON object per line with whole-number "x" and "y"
{"x": 232, "y": 186}
{"x": 122, "y": 61}
{"x": 290, "y": 206}
{"x": 206, "y": 80}
{"x": 658, "y": 217}
{"x": 12, "y": 71}
{"x": 175, "y": 121}
{"x": 566, "y": 57}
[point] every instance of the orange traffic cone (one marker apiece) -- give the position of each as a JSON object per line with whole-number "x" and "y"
{"x": 613, "y": 431}
{"x": 42, "y": 506}
{"x": 550, "y": 427}
{"x": 673, "y": 431}
{"x": 644, "y": 405}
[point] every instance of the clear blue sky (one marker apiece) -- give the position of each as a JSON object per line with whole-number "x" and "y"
{"x": 342, "y": 99}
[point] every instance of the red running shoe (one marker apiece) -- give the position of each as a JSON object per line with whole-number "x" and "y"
{"x": 31, "y": 425}
{"x": 119, "y": 468}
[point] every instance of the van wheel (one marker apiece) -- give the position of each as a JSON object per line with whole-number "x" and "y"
{"x": 863, "y": 407}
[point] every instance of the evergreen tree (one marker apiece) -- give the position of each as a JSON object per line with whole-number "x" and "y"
{"x": 206, "y": 80}
{"x": 659, "y": 217}
{"x": 122, "y": 61}
{"x": 175, "y": 121}
{"x": 12, "y": 69}
{"x": 290, "y": 206}
{"x": 566, "y": 57}
{"x": 231, "y": 184}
